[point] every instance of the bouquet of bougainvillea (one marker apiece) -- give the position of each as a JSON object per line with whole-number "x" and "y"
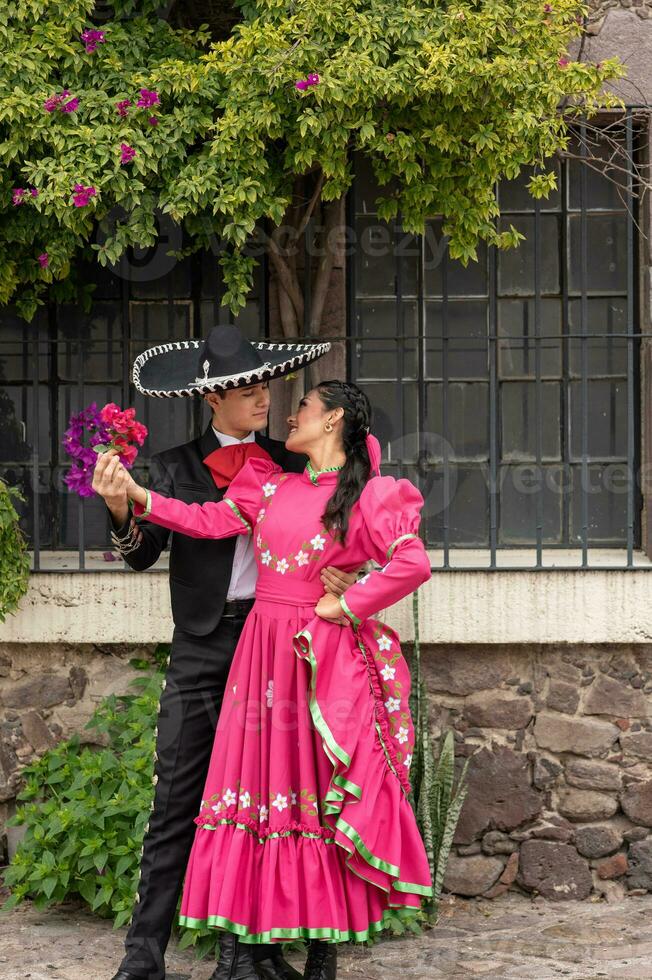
{"x": 106, "y": 428}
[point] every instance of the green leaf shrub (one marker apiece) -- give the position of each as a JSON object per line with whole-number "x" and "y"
{"x": 14, "y": 558}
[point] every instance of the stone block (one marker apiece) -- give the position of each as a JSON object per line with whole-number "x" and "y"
{"x": 593, "y": 774}
{"x": 636, "y": 801}
{"x": 579, "y": 805}
{"x": 613, "y": 697}
{"x": 491, "y": 709}
{"x": 555, "y": 871}
{"x": 583, "y": 736}
{"x": 597, "y": 840}
{"x": 471, "y": 875}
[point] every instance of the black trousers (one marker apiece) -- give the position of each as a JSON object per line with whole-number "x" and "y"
{"x": 190, "y": 705}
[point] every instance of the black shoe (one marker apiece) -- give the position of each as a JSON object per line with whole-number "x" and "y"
{"x": 235, "y": 960}
{"x": 322, "y": 961}
{"x": 274, "y": 967}
{"x": 125, "y": 975}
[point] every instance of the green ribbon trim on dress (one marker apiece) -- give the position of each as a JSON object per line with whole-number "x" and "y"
{"x": 347, "y": 612}
{"x": 403, "y": 537}
{"x": 334, "y": 801}
{"x": 261, "y": 840}
{"x": 313, "y": 473}
{"x": 237, "y": 513}
{"x": 298, "y": 932}
{"x": 148, "y": 505}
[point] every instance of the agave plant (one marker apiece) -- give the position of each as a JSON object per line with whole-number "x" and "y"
{"x": 436, "y": 797}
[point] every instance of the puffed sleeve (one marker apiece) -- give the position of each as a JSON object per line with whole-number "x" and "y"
{"x": 235, "y": 514}
{"x": 390, "y": 510}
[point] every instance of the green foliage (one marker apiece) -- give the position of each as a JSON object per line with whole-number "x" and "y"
{"x": 444, "y": 99}
{"x": 437, "y": 797}
{"x": 14, "y": 559}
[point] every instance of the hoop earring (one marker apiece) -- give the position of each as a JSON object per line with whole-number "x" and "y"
{"x": 328, "y": 427}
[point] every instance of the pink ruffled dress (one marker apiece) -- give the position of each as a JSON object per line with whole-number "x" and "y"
{"x": 305, "y": 828}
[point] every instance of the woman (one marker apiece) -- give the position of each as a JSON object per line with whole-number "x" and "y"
{"x": 305, "y": 827}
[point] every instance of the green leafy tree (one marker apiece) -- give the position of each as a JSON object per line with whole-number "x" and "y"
{"x": 443, "y": 98}
{"x": 14, "y": 559}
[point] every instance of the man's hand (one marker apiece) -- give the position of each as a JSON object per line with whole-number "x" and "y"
{"x": 329, "y": 608}
{"x": 111, "y": 480}
{"x": 335, "y": 581}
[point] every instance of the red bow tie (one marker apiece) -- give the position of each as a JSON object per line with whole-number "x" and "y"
{"x": 225, "y": 462}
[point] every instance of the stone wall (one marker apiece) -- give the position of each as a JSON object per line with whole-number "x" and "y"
{"x": 559, "y": 741}
{"x": 560, "y": 773}
{"x": 47, "y": 693}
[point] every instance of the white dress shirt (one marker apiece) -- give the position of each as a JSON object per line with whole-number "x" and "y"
{"x": 244, "y": 573}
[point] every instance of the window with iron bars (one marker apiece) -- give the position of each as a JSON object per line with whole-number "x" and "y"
{"x": 508, "y": 390}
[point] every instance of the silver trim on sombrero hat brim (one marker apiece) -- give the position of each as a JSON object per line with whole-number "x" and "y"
{"x": 302, "y": 354}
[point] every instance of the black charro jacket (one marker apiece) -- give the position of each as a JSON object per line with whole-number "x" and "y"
{"x": 200, "y": 568}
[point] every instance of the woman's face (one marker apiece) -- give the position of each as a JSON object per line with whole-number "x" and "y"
{"x": 306, "y": 425}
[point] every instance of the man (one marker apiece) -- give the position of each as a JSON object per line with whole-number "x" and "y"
{"x": 212, "y": 585}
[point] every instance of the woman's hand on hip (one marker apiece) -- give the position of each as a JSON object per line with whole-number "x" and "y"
{"x": 329, "y": 608}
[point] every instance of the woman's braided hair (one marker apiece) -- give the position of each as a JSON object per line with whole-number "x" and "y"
{"x": 357, "y": 468}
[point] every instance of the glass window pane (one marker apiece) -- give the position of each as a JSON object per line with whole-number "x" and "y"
{"x": 601, "y": 191}
{"x": 367, "y": 187}
{"x": 460, "y": 280}
{"x": 466, "y": 330}
{"x": 516, "y": 265}
{"x": 18, "y": 434}
{"x": 17, "y": 352}
{"x": 466, "y": 512}
{"x": 607, "y": 354}
{"x": 517, "y": 356}
{"x": 520, "y": 488}
{"x": 606, "y": 244}
{"x": 606, "y": 495}
{"x": 394, "y": 419}
{"x": 468, "y": 418}
{"x": 606, "y": 425}
{"x": 520, "y": 423}
{"x": 90, "y": 345}
{"x": 513, "y": 195}
{"x": 385, "y": 348}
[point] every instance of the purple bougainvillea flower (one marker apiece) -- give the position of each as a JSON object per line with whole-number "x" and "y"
{"x": 313, "y": 78}
{"x": 123, "y": 107}
{"x": 55, "y": 102}
{"x": 563, "y": 62}
{"x": 44, "y": 260}
{"x": 33, "y": 191}
{"x": 70, "y": 106}
{"x": 127, "y": 153}
{"x": 548, "y": 8}
{"x": 92, "y": 38}
{"x": 148, "y": 97}
{"x": 81, "y": 195}
{"x": 18, "y": 196}
{"x": 301, "y": 84}
{"x": 153, "y": 121}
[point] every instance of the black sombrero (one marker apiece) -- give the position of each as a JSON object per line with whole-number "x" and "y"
{"x": 224, "y": 360}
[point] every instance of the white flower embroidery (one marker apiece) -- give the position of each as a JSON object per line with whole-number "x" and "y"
{"x": 264, "y": 812}
{"x": 280, "y": 802}
{"x": 387, "y": 673}
{"x": 282, "y": 566}
{"x": 318, "y": 542}
{"x": 392, "y": 704}
{"x": 384, "y": 643}
{"x": 408, "y": 761}
{"x": 261, "y": 514}
{"x": 245, "y": 799}
{"x": 293, "y": 800}
{"x": 402, "y": 735}
{"x": 269, "y": 694}
{"x": 361, "y": 581}
{"x": 229, "y": 797}
{"x": 269, "y": 489}
{"x": 216, "y": 807}
{"x": 266, "y": 557}
{"x": 301, "y": 557}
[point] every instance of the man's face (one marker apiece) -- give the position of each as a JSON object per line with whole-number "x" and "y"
{"x": 242, "y": 409}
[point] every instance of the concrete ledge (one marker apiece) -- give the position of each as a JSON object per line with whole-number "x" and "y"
{"x": 497, "y": 607}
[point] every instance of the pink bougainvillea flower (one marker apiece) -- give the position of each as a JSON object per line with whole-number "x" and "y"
{"x": 81, "y": 195}
{"x": 54, "y": 101}
{"x": 92, "y": 38}
{"x": 563, "y": 62}
{"x": 34, "y": 192}
{"x": 18, "y": 196}
{"x": 301, "y": 84}
{"x": 313, "y": 78}
{"x": 148, "y": 97}
{"x": 153, "y": 121}
{"x": 123, "y": 107}
{"x": 548, "y": 8}
{"x": 70, "y": 106}
{"x": 44, "y": 260}
{"x": 127, "y": 153}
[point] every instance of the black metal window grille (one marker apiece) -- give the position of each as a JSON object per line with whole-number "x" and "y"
{"x": 508, "y": 390}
